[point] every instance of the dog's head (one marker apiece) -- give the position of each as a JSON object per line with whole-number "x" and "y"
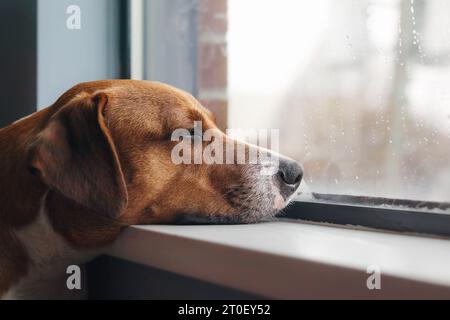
{"x": 109, "y": 146}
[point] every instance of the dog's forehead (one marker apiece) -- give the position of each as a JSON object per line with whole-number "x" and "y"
{"x": 154, "y": 106}
{"x": 149, "y": 95}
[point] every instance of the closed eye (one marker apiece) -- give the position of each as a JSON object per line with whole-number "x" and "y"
{"x": 196, "y": 133}
{"x": 191, "y": 134}
{"x": 186, "y": 133}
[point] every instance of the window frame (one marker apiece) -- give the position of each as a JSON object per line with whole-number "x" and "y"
{"x": 18, "y": 60}
{"x": 393, "y": 218}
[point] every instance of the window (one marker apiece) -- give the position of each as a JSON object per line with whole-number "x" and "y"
{"x": 358, "y": 91}
{"x": 41, "y": 56}
{"x": 185, "y": 44}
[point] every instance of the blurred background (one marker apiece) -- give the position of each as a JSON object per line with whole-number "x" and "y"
{"x": 359, "y": 89}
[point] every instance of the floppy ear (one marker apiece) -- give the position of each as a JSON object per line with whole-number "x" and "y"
{"x": 75, "y": 155}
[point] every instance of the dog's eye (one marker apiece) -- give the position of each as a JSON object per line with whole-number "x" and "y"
{"x": 195, "y": 133}
{"x": 192, "y": 133}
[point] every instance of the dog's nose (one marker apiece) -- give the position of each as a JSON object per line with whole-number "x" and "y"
{"x": 290, "y": 172}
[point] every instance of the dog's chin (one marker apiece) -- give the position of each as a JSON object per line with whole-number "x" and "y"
{"x": 264, "y": 208}
{"x": 245, "y": 216}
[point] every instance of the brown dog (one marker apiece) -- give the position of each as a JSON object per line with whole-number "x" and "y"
{"x": 99, "y": 159}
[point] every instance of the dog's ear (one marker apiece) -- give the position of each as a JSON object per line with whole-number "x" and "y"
{"x": 75, "y": 155}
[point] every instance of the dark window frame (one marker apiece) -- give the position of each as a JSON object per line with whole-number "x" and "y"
{"x": 18, "y": 59}
{"x": 406, "y": 216}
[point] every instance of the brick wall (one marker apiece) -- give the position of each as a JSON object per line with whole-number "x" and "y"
{"x": 212, "y": 57}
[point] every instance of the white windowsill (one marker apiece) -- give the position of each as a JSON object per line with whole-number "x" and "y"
{"x": 293, "y": 259}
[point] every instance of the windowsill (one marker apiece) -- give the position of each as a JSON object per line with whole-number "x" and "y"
{"x": 294, "y": 259}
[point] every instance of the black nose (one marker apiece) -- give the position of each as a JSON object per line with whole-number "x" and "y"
{"x": 290, "y": 172}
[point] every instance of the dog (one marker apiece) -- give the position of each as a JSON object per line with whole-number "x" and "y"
{"x": 74, "y": 175}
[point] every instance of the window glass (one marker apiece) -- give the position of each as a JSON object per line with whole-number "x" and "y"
{"x": 359, "y": 89}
